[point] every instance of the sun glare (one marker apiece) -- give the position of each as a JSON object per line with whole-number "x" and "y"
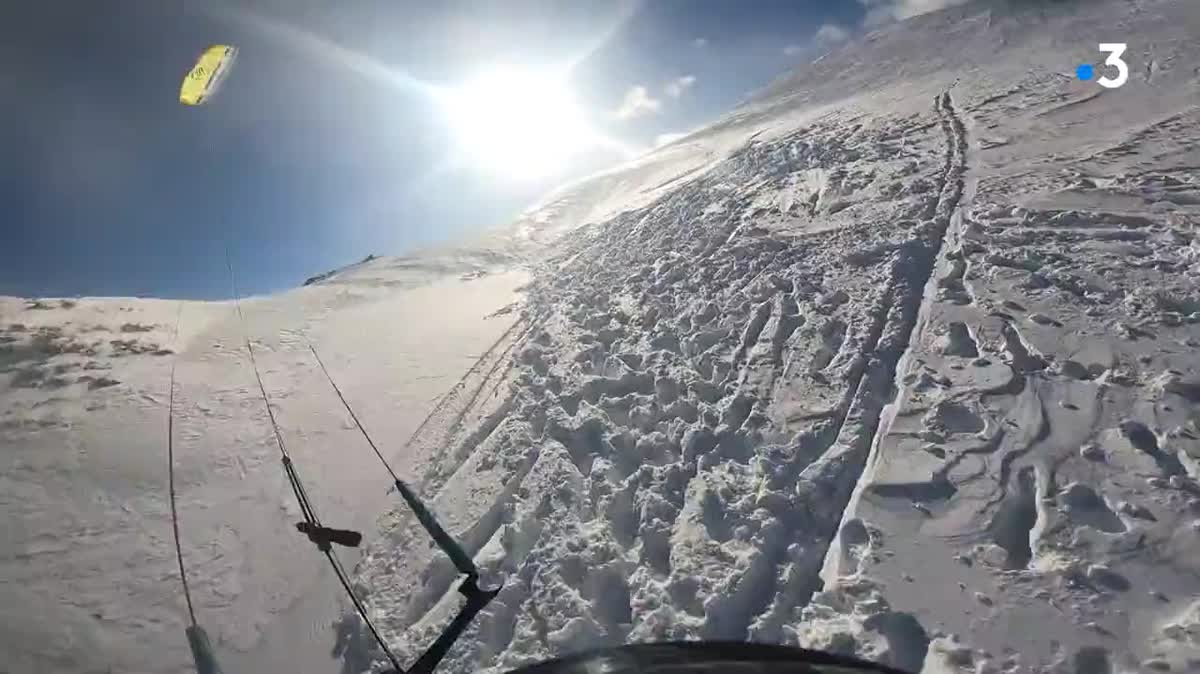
{"x": 518, "y": 123}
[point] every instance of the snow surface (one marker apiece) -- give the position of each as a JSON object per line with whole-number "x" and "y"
{"x": 898, "y": 359}
{"x": 89, "y": 580}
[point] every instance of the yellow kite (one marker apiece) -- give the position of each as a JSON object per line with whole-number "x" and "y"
{"x": 206, "y": 76}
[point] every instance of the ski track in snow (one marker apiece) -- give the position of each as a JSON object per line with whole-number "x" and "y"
{"x": 897, "y": 359}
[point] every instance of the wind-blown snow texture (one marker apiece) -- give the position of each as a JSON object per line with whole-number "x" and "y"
{"x": 898, "y": 359}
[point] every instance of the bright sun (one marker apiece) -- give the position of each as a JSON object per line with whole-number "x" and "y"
{"x": 515, "y": 122}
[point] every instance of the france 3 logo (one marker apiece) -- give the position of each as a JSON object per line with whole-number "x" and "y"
{"x": 1115, "y": 51}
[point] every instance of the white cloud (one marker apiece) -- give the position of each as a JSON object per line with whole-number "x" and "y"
{"x": 884, "y": 11}
{"x": 667, "y": 138}
{"x": 792, "y": 50}
{"x": 830, "y": 34}
{"x": 638, "y": 102}
{"x": 675, "y": 88}
{"x": 700, "y": 42}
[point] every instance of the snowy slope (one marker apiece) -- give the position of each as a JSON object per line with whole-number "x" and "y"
{"x": 908, "y": 371}
{"x": 88, "y": 580}
{"x": 897, "y": 359}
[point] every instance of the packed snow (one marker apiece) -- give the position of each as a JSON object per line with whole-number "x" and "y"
{"x": 89, "y": 575}
{"x": 897, "y": 360}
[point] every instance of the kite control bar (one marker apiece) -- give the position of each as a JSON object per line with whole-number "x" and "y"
{"x": 477, "y": 599}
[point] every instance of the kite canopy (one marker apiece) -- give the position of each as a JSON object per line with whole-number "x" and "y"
{"x": 206, "y": 76}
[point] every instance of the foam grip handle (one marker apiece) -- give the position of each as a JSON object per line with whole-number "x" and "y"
{"x": 202, "y": 653}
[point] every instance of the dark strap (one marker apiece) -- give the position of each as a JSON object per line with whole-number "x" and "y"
{"x": 323, "y": 536}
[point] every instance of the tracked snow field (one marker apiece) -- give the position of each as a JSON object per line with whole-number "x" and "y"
{"x": 898, "y": 359}
{"x": 909, "y": 374}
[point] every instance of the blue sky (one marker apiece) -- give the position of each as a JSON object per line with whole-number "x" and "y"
{"x": 316, "y": 153}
